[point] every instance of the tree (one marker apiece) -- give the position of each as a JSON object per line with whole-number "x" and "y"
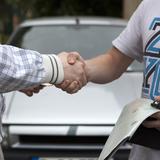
{"x": 14, "y": 11}
{"x": 40, "y": 8}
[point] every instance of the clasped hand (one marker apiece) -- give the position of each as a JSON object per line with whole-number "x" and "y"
{"x": 75, "y": 76}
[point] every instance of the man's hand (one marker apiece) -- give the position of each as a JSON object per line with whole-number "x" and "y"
{"x": 155, "y": 123}
{"x": 31, "y": 90}
{"x": 74, "y": 72}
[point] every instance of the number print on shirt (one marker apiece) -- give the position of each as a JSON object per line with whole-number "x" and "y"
{"x": 151, "y": 82}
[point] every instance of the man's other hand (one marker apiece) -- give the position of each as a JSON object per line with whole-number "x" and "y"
{"x": 31, "y": 90}
{"x": 155, "y": 123}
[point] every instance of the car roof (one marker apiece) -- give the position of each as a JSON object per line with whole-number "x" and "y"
{"x": 75, "y": 21}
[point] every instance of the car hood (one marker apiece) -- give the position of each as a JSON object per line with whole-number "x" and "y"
{"x": 93, "y": 105}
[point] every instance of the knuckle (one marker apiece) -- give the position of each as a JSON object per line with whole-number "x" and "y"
{"x": 78, "y": 79}
{"x": 82, "y": 63}
{"x": 69, "y": 92}
{"x": 81, "y": 72}
{"x": 75, "y": 52}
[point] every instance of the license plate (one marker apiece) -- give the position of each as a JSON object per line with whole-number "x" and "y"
{"x": 64, "y": 158}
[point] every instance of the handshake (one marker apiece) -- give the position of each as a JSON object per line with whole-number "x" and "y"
{"x": 75, "y": 74}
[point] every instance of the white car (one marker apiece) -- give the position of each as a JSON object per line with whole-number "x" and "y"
{"x": 53, "y": 123}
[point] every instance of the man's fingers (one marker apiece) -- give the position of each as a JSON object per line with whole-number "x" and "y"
{"x": 75, "y": 91}
{"x": 72, "y": 87}
{"x": 152, "y": 124}
{"x": 63, "y": 85}
{"x": 157, "y": 98}
{"x": 28, "y": 93}
{"x": 156, "y": 116}
{"x": 35, "y": 90}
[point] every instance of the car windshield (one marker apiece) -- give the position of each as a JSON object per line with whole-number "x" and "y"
{"x": 89, "y": 40}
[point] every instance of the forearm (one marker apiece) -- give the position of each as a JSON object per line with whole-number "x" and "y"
{"x": 22, "y": 68}
{"x": 107, "y": 67}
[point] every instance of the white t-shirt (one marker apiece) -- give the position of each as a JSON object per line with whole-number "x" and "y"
{"x": 141, "y": 41}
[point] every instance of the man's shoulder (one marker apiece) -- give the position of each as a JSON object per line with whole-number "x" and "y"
{"x": 150, "y": 2}
{"x": 149, "y": 5}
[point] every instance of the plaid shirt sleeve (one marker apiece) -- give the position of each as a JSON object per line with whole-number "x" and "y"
{"x": 19, "y": 68}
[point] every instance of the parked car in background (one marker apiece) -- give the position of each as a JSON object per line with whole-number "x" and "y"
{"x": 53, "y": 124}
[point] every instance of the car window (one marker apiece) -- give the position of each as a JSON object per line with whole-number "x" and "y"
{"x": 86, "y": 39}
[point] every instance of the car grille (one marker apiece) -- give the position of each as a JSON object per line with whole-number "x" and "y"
{"x": 33, "y": 146}
{"x": 67, "y": 158}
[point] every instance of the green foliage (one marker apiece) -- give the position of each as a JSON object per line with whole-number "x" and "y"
{"x": 44, "y": 8}
{"x": 39, "y": 8}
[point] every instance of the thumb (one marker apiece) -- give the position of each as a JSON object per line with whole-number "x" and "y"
{"x": 72, "y": 58}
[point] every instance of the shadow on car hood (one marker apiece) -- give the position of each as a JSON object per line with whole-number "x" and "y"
{"x": 93, "y": 105}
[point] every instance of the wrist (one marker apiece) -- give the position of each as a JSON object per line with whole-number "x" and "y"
{"x": 88, "y": 71}
{"x": 47, "y": 69}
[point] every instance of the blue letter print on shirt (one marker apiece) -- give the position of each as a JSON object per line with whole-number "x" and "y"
{"x": 152, "y": 63}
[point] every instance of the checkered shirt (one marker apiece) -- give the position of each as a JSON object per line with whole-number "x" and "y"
{"x": 19, "y": 68}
